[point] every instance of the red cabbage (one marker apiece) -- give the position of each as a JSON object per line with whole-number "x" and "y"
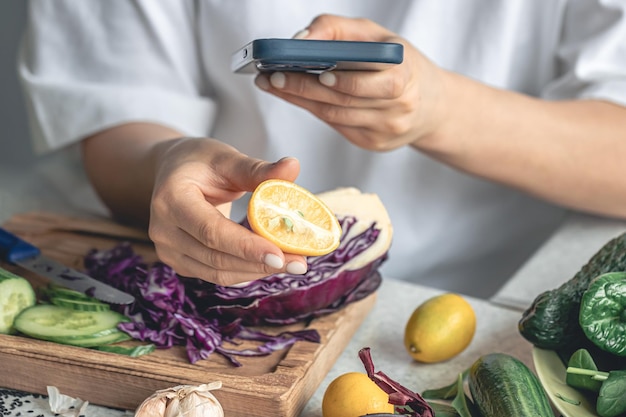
{"x": 285, "y": 298}
{"x": 398, "y": 395}
{"x": 171, "y": 310}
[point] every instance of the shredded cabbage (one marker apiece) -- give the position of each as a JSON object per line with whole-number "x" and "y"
{"x": 171, "y": 310}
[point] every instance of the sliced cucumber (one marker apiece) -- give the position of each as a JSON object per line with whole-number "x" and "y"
{"x": 93, "y": 341}
{"x": 51, "y": 322}
{"x": 66, "y": 297}
{"x": 16, "y": 294}
{"x": 132, "y": 351}
{"x": 54, "y": 290}
{"x": 82, "y": 305}
{"x": 100, "y": 335}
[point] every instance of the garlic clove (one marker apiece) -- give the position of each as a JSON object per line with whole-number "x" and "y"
{"x": 152, "y": 406}
{"x": 183, "y": 401}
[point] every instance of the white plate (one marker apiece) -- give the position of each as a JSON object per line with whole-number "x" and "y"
{"x": 551, "y": 373}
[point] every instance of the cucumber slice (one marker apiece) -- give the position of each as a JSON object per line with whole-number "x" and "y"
{"x": 51, "y": 322}
{"x": 16, "y": 294}
{"x": 55, "y": 290}
{"x": 81, "y": 305}
{"x": 95, "y": 341}
{"x": 69, "y": 339}
{"x": 132, "y": 351}
{"x": 66, "y": 297}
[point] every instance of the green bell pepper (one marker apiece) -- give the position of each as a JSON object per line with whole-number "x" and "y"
{"x": 602, "y": 314}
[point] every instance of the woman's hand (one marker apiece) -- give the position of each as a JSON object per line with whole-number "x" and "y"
{"x": 568, "y": 152}
{"x": 196, "y": 181}
{"x": 182, "y": 188}
{"x": 376, "y": 110}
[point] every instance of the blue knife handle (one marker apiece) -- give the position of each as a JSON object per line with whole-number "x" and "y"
{"x": 12, "y": 248}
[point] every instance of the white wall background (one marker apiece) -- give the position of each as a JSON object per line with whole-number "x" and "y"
{"x": 15, "y": 146}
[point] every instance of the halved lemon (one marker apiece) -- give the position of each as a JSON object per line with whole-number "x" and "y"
{"x": 293, "y": 218}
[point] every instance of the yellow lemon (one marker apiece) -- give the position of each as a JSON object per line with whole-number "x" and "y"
{"x": 354, "y": 394}
{"x": 440, "y": 328}
{"x": 293, "y": 218}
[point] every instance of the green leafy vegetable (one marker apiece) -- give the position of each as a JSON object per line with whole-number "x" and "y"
{"x": 443, "y": 410}
{"x": 581, "y": 359}
{"x": 461, "y": 403}
{"x": 612, "y": 396}
{"x": 444, "y": 393}
{"x": 602, "y": 313}
{"x": 611, "y": 400}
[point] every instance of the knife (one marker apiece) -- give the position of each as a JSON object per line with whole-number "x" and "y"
{"x": 17, "y": 251}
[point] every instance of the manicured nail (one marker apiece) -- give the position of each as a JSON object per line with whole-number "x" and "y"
{"x": 278, "y": 80}
{"x": 302, "y": 34}
{"x": 296, "y": 268}
{"x": 262, "y": 82}
{"x": 285, "y": 158}
{"x": 328, "y": 79}
{"x": 273, "y": 261}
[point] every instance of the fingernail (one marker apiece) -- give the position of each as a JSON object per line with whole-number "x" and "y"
{"x": 262, "y": 82}
{"x": 296, "y": 268}
{"x": 273, "y": 261}
{"x": 278, "y": 80}
{"x": 302, "y": 34}
{"x": 285, "y": 158}
{"x": 328, "y": 79}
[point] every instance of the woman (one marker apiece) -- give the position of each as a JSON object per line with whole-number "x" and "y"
{"x": 501, "y": 116}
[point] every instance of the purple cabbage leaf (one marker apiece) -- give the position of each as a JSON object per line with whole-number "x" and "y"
{"x": 398, "y": 394}
{"x": 170, "y": 310}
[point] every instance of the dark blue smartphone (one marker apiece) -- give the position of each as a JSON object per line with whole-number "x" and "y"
{"x": 315, "y": 56}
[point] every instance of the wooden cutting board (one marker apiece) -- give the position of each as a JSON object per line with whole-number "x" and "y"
{"x": 276, "y": 385}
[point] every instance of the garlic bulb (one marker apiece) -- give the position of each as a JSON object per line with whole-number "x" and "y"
{"x": 182, "y": 401}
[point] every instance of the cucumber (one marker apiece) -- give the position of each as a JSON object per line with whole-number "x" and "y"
{"x": 97, "y": 340}
{"x": 55, "y": 323}
{"x": 54, "y": 290}
{"x": 502, "y": 385}
{"x": 82, "y": 305}
{"x": 16, "y": 294}
{"x": 66, "y": 297}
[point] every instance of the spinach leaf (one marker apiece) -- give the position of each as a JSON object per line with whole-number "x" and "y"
{"x": 602, "y": 314}
{"x": 444, "y": 410}
{"x": 582, "y": 359}
{"x": 612, "y": 397}
{"x": 461, "y": 403}
{"x": 444, "y": 393}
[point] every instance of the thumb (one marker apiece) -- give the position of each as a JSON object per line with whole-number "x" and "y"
{"x": 256, "y": 171}
{"x": 333, "y": 27}
{"x": 287, "y": 168}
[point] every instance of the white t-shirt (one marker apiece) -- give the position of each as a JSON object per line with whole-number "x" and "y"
{"x": 87, "y": 65}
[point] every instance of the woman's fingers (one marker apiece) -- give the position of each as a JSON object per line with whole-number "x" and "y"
{"x": 346, "y": 88}
{"x": 379, "y": 124}
{"x": 225, "y": 254}
{"x": 334, "y": 27}
{"x": 190, "y": 258}
{"x": 197, "y": 180}
{"x": 376, "y": 110}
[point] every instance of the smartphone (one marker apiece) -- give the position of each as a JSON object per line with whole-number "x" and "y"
{"x": 314, "y": 56}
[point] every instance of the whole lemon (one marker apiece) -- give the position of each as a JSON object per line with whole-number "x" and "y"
{"x": 440, "y": 328}
{"x": 354, "y": 394}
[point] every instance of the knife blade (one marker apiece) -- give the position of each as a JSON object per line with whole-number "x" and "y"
{"x": 18, "y": 251}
